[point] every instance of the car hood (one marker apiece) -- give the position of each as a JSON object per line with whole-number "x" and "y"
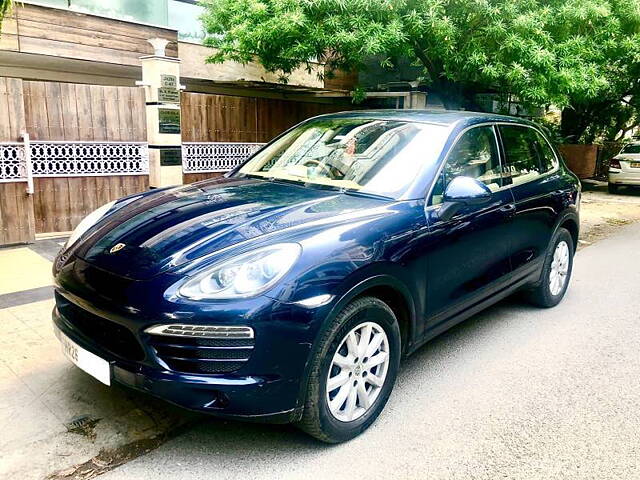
{"x": 171, "y": 228}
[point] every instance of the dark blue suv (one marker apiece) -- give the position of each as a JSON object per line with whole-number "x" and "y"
{"x": 290, "y": 290}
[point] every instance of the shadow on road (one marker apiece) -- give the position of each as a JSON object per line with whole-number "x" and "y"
{"x": 601, "y": 187}
{"x": 230, "y": 440}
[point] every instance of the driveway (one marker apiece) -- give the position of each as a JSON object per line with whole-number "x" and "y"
{"x": 515, "y": 392}
{"x": 52, "y": 415}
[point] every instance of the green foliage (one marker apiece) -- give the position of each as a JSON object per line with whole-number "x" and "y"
{"x": 5, "y": 7}
{"x": 358, "y": 95}
{"x": 563, "y": 52}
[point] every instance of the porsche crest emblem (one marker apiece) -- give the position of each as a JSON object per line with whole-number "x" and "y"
{"x": 117, "y": 247}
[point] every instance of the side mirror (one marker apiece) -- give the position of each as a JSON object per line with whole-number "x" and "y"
{"x": 463, "y": 192}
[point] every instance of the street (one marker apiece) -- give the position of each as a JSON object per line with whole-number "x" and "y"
{"x": 514, "y": 392}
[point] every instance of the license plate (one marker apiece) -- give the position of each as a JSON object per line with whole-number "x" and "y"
{"x": 92, "y": 364}
{"x": 635, "y": 164}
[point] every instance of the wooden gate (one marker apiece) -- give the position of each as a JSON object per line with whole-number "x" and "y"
{"x": 16, "y": 206}
{"x": 87, "y": 147}
{"x": 94, "y": 126}
{"x": 218, "y": 131}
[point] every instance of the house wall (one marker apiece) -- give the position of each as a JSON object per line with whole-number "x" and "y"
{"x": 62, "y": 33}
{"x": 193, "y": 65}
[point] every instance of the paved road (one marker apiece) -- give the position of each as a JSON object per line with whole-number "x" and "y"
{"x": 515, "y": 392}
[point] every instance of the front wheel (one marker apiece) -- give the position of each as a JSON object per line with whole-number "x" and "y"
{"x": 353, "y": 371}
{"x": 556, "y": 271}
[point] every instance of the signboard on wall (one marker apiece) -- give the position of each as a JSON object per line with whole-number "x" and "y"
{"x": 168, "y": 81}
{"x": 168, "y": 120}
{"x": 170, "y": 157}
{"x": 168, "y": 95}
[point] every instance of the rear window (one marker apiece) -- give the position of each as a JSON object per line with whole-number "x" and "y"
{"x": 522, "y": 155}
{"x": 528, "y": 154}
{"x": 635, "y": 148}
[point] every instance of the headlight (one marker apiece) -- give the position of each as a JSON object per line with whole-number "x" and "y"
{"x": 88, "y": 222}
{"x": 246, "y": 275}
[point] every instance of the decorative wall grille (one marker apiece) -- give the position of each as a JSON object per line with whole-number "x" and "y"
{"x": 73, "y": 159}
{"x": 200, "y": 157}
{"x": 83, "y": 159}
{"x": 13, "y": 165}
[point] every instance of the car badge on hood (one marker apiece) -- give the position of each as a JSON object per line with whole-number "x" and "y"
{"x": 117, "y": 247}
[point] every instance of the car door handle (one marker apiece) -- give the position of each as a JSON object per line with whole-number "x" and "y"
{"x": 510, "y": 207}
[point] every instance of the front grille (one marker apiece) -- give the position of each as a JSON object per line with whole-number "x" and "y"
{"x": 104, "y": 333}
{"x": 202, "y": 355}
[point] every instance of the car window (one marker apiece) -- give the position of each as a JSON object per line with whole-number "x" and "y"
{"x": 378, "y": 156}
{"x": 522, "y": 153}
{"x": 632, "y": 148}
{"x": 475, "y": 155}
{"x": 548, "y": 158}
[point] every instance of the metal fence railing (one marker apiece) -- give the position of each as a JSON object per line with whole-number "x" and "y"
{"x": 20, "y": 161}
{"x": 205, "y": 157}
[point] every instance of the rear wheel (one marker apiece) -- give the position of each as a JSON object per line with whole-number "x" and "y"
{"x": 612, "y": 187}
{"x": 353, "y": 371}
{"x": 556, "y": 271}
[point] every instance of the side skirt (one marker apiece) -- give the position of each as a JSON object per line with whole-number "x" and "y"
{"x": 445, "y": 325}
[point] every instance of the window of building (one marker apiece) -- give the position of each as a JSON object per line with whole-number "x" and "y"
{"x": 185, "y": 17}
{"x": 154, "y": 12}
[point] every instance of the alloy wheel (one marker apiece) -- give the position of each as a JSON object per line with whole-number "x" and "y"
{"x": 559, "y": 268}
{"x": 358, "y": 371}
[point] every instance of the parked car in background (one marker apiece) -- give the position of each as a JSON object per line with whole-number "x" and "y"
{"x": 290, "y": 290}
{"x": 624, "y": 168}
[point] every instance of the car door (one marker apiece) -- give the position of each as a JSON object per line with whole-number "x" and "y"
{"x": 532, "y": 166}
{"x": 468, "y": 254}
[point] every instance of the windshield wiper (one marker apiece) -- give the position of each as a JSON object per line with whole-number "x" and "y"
{"x": 360, "y": 193}
{"x": 274, "y": 179}
{"x": 321, "y": 186}
{"x": 251, "y": 175}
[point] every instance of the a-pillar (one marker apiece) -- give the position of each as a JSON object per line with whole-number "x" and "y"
{"x": 161, "y": 83}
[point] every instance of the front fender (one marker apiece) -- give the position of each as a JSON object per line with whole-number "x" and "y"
{"x": 354, "y": 286}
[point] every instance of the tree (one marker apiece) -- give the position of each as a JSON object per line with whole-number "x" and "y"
{"x": 5, "y": 7}
{"x": 543, "y": 51}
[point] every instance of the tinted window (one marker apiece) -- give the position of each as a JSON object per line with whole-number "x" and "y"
{"x": 522, "y": 153}
{"x": 474, "y": 155}
{"x": 633, "y": 148}
{"x": 547, "y": 155}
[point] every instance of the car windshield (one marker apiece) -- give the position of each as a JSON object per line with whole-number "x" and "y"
{"x": 634, "y": 148}
{"x": 381, "y": 157}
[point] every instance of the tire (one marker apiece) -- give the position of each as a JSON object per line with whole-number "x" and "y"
{"x": 323, "y": 420}
{"x": 612, "y": 188}
{"x": 546, "y": 293}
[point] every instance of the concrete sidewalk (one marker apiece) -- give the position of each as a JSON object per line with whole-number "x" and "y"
{"x": 52, "y": 415}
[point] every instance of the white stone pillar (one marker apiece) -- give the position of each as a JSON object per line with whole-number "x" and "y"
{"x": 161, "y": 83}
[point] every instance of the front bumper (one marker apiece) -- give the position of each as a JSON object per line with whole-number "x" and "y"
{"x": 620, "y": 177}
{"x": 267, "y": 389}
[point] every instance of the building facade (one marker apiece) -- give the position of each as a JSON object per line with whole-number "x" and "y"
{"x": 103, "y": 98}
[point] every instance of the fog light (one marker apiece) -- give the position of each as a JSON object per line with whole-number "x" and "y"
{"x": 220, "y": 400}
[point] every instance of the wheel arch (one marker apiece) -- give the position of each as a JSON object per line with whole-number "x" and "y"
{"x": 570, "y": 221}
{"x": 391, "y": 291}
{"x": 387, "y": 288}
